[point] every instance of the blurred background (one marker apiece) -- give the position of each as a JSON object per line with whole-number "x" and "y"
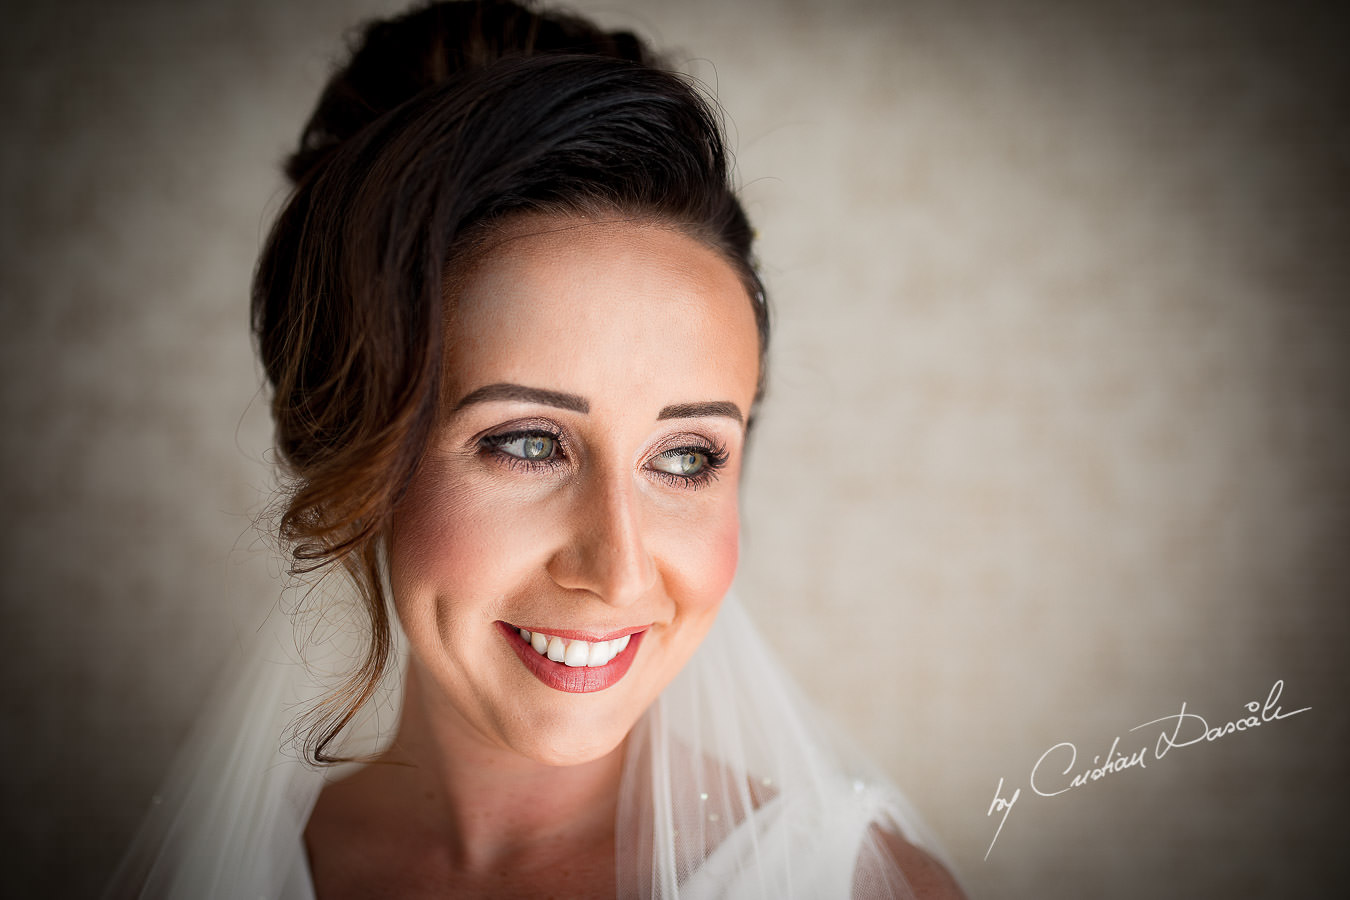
{"x": 1057, "y": 435}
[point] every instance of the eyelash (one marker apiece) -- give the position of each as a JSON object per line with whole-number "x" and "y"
{"x": 714, "y": 453}
{"x": 716, "y": 456}
{"x": 493, "y": 443}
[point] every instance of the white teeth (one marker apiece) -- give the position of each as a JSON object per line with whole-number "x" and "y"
{"x": 557, "y": 650}
{"x": 575, "y": 653}
{"x": 601, "y": 652}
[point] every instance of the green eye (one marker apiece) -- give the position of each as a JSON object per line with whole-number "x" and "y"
{"x": 681, "y": 462}
{"x": 537, "y": 446}
{"x": 530, "y": 446}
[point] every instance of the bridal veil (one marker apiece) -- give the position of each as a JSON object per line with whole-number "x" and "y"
{"x": 732, "y": 786}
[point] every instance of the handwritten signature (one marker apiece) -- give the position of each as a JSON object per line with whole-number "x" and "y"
{"x": 1182, "y": 729}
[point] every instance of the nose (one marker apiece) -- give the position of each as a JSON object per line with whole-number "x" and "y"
{"x": 606, "y": 552}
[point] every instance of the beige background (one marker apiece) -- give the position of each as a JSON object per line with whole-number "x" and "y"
{"x": 1056, "y": 440}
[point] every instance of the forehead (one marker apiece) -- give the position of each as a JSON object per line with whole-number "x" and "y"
{"x": 580, "y": 305}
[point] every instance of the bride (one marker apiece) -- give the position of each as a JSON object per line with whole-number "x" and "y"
{"x": 516, "y": 340}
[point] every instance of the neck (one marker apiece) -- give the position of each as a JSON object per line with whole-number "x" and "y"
{"x": 491, "y": 806}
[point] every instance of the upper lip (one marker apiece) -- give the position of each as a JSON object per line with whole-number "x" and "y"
{"x": 590, "y": 637}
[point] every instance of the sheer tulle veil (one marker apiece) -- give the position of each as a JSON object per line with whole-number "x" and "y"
{"x": 732, "y": 787}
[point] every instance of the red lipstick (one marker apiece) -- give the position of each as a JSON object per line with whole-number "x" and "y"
{"x": 569, "y": 679}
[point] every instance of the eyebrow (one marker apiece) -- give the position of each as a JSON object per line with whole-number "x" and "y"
{"x": 520, "y": 393}
{"x": 523, "y": 394}
{"x": 696, "y": 410}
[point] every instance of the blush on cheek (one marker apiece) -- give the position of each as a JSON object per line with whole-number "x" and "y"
{"x": 426, "y": 519}
{"x": 432, "y": 538}
{"x": 449, "y": 547}
{"x": 721, "y": 554}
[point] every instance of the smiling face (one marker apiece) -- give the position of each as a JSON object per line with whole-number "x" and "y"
{"x": 582, "y": 484}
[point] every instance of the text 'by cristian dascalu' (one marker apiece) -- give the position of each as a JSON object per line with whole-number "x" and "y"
{"x": 1058, "y": 770}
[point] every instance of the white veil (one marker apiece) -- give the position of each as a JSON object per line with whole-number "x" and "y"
{"x": 731, "y": 787}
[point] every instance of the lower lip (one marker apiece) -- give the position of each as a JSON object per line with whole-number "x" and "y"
{"x": 572, "y": 679}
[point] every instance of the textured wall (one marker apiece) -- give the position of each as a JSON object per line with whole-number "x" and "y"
{"x": 1057, "y": 435}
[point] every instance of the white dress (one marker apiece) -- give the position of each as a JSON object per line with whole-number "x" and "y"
{"x": 731, "y": 789}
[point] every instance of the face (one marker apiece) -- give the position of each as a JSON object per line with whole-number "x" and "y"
{"x": 580, "y": 495}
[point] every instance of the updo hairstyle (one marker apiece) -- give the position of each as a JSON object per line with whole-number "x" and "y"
{"x": 446, "y": 123}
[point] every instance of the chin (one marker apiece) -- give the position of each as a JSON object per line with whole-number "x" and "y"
{"x": 569, "y": 740}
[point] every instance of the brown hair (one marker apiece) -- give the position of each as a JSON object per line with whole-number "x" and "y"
{"x": 446, "y": 121}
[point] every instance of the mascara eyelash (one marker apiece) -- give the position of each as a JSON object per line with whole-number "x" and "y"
{"x": 491, "y": 445}
{"x": 716, "y": 456}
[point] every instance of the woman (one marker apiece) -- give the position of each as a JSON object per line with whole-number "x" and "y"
{"x": 516, "y": 340}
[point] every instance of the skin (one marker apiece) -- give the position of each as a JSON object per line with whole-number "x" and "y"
{"x": 504, "y": 786}
{"x": 498, "y": 785}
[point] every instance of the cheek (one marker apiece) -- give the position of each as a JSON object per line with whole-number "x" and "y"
{"x": 452, "y": 543}
{"x": 458, "y": 547}
{"x": 706, "y": 564}
{"x": 725, "y": 555}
